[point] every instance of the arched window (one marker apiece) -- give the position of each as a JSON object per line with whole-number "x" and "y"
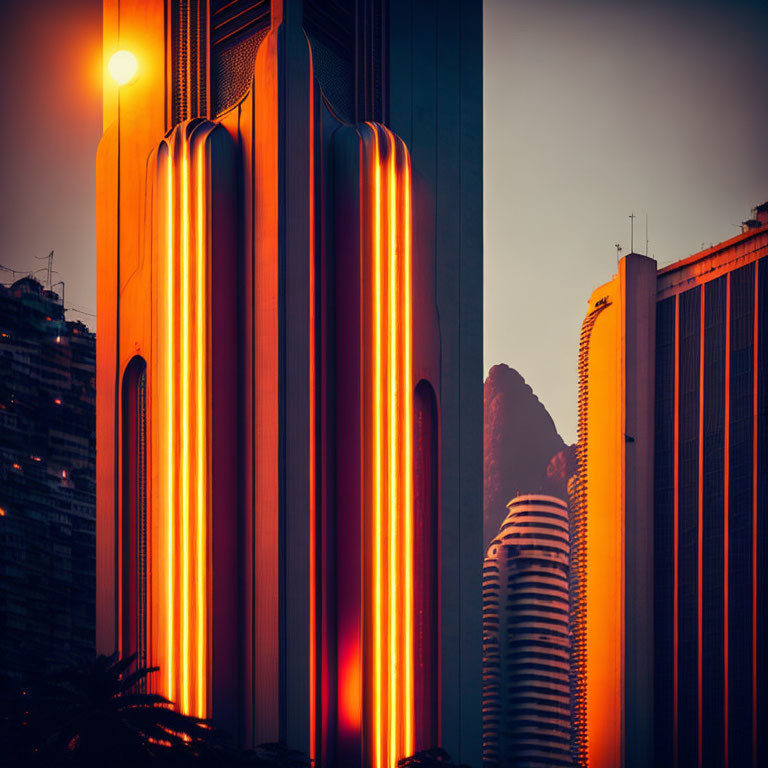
{"x": 426, "y": 614}
{"x": 133, "y": 630}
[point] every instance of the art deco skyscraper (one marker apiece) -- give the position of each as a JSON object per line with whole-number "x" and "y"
{"x": 290, "y": 368}
{"x": 670, "y": 532}
{"x": 526, "y": 637}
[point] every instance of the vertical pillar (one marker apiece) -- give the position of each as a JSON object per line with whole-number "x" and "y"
{"x": 638, "y": 276}
{"x": 294, "y": 223}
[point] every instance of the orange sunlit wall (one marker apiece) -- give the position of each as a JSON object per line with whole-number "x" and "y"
{"x": 271, "y": 531}
{"x": 611, "y": 521}
{"x": 189, "y": 231}
{"x": 377, "y": 649}
{"x": 600, "y": 533}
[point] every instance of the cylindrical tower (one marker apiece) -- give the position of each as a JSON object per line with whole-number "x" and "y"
{"x": 526, "y": 637}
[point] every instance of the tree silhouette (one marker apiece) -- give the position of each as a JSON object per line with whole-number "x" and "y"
{"x": 429, "y": 758}
{"x": 273, "y": 756}
{"x": 92, "y": 715}
{"x": 96, "y": 714}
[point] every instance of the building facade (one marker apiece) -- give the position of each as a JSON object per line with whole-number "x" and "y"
{"x": 669, "y": 533}
{"x": 526, "y": 637}
{"x": 290, "y": 368}
{"x": 47, "y": 483}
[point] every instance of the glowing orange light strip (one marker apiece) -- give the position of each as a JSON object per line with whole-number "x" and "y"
{"x": 408, "y": 460}
{"x": 392, "y": 370}
{"x": 755, "y": 415}
{"x": 185, "y": 449}
{"x": 700, "y": 533}
{"x": 726, "y": 508}
{"x": 170, "y": 661}
{"x": 313, "y": 532}
{"x": 182, "y": 636}
{"x": 377, "y": 511}
{"x": 200, "y": 499}
{"x": 393, "y": 696}
{"x": 676, "y": 540}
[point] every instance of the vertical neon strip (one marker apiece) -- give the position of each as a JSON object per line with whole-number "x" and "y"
{"x": 726, "y": 504}
{"x": 392, "y": 686}
{"x": 700, "y": 544}
{"x": 408, "y": 459}
{"x": 377, "y": 510}
{"x": 313, "y": 533}
{"x": 185, "y": 452}
{"x": 392, "y": 371}
{"x": 170, "y": 661}
{"x": 201, "y": 646}
{"x": 676, "y": 542}
{"x": 755, "y": 362}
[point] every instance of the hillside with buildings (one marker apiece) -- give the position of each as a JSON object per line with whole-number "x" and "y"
{"x": 47, "y": 482}
{"x": 523, "y": 452}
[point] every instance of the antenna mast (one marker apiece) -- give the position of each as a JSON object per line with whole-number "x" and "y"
{"x": 647, "y": 253}
{"x": 48, "y": 269}
{"x": 632, "y": 233}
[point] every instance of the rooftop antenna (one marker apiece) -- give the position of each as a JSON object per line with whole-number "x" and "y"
{"x": 49, "y": 269}
{"x": 646, "y": 234}
{"x": 632, "y": 233}
{"x": 61, "y": 283}
{"x": 8, "y": 269}
{"x": 619, "y": 249}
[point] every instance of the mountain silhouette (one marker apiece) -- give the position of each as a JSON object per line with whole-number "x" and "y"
{"x": 523, "y": 452}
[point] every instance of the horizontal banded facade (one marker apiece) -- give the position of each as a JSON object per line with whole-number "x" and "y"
{"x": 526, "y": 637}
{"x": 669, "y": 512}
{"x": 709, "y": 516}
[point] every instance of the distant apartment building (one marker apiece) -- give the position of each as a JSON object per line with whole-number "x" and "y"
{"x": 47, "y": 482}
{"x": 526, "y": 637}
{"x": 670, "y": 526}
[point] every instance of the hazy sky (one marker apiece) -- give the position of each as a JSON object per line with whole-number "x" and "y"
{"x": 594, "y": 111}
{"x": 50, "y": 89}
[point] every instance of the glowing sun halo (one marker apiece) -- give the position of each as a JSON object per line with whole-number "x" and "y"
{"x": 123, "y": 67}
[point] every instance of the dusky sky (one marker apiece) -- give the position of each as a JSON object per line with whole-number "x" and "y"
{"x": 50, "y": 89}
{"x": 593, "y": 110}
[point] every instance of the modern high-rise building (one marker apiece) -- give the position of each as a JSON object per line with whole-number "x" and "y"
{"x": 47, "y": 483}
{"x": 670, "y": 530}
{"x": 290, "y": 367}
{"x": 526, "y": 637}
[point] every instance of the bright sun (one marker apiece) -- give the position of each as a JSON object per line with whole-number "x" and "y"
{"x": 123, "y": 67}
